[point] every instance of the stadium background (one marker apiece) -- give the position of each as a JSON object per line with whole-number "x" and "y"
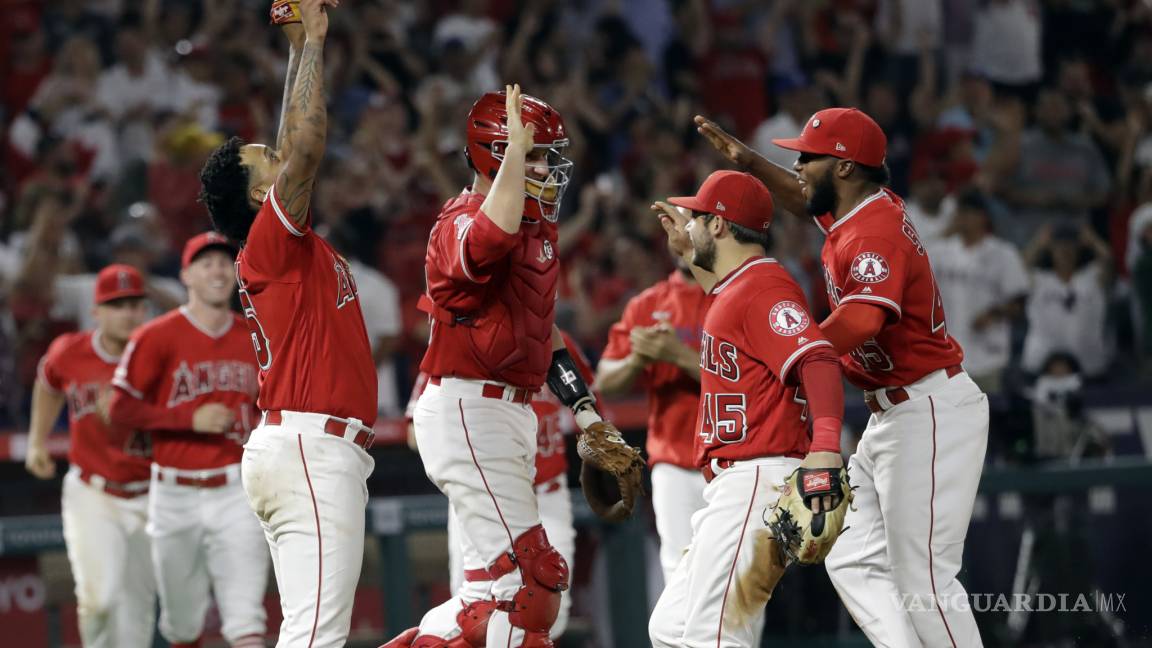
{"x": 1036, "y": 113}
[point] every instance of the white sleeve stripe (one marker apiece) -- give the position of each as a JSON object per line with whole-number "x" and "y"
{"x": 873, "y": 298}
{"x": 464, "y": 259}
{"x": 280, "y": 214}
{"x": 799, "y": 352}
{"x": 123, "y": 384}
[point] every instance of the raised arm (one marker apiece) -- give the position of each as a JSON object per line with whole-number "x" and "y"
{"x": 675, "y": 223}
{"x": 304, "y": 128}
{"x": 504, "y": 204}
{"x": 780, "y": 181}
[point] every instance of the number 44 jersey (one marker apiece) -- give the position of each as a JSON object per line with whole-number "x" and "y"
{"x": 873, "y": 255}
{"x": 756, "y": 331}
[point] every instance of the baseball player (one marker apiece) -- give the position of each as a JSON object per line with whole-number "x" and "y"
{"x": 305, "y": 465}
{"x": 492, "y": 273}
{"x": 189, "y": 378}
{"x": 551, "y": 483}
{"x": 657, "y": 342}
{"x": 919, "y": 461}
{"x": 105, "y": 499}
{"x": 765, "y": 369}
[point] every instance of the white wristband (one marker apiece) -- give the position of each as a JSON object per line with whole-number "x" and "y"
{"x": 586, "y": 417}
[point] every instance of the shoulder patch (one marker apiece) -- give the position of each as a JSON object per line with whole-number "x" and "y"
{"x": 788, "y": 318}
{"x": 462, "y": 223}
{"x": 869, "y": 267}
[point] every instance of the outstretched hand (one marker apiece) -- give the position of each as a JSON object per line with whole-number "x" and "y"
{"x": 736, "y": 151}
{"x": 520, "y": 136}
{"x": 675, "y": 224}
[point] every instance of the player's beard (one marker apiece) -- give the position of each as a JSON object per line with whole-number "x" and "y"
{"x": 704, "y": 254}
{"x": 823, "y": 199}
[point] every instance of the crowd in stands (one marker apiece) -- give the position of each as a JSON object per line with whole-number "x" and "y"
{"x": 1019, "y": 131}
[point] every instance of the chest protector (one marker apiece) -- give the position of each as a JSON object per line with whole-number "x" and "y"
{"x": 504, "y": 320}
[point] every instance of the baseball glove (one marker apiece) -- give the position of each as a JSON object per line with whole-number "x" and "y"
{"x": 611, "y": 473}
{"x": 284, "y": 12}
{"x": 803, "y": 536}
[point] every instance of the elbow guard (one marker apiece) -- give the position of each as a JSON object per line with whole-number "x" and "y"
{"x": 565, "y": 382}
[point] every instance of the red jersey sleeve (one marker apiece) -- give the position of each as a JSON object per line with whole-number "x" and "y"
{"x": 275, "y": 242}
{"x": 48, "y": 370}
{"x": 874, "y": 272}
{"x": 471, "y": 246}
{"x": 779, "y": 331}
{"x": 619, "y": 336}
{"x": 137, "y": 377}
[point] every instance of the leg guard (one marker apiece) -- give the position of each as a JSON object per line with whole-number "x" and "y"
{"x": 545, "y": 574}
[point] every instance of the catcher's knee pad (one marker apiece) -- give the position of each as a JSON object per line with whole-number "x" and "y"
{"x": 544, "y": 573}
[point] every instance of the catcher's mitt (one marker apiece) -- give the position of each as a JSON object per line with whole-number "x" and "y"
{"x": 611, "y": 473}
{"x": 284, "y": 12}
{"x": 803, "y": 536}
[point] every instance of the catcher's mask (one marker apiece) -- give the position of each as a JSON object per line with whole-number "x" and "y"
{"x": 488, "y": 139}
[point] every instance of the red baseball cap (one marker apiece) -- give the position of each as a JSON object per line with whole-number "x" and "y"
{"x": 735, "y": 196}
{"x": 118, "y": 281}
{"x": 201, "y": 242}
{"x": 845, "y": 133}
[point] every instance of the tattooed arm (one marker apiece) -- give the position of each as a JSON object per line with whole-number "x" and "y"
{"x": 296, "y": 37}
{"x": 304, "y": 128}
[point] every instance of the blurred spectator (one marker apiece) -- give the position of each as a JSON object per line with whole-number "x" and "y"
{"x": 1006, "y": 44}
{"x": 798, "y": 100}
{"x": 1140, "y": 267}
{"x": 135, "y": 91}
{"x": 1060, "y": 174}
{"x": 27, "y": 65}
{"x": 66, "y": 106}
{"x": 1060, "y": 429}
{"x": 1068, "y": 304}
{"x": 930, "y": 206}
{"x": 983, "y": 283}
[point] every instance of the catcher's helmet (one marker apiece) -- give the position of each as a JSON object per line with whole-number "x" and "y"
{"x": 488, "y": 135}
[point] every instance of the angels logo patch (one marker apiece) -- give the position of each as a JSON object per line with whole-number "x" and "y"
{"x": 869, "y": 267}
{"x": 788, "y": 318}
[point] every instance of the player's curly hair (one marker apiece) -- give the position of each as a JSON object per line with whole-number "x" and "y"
{"x": 224, "y": 191}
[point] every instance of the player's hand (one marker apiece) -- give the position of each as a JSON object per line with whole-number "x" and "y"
{"x": 39, "y": 462}
{"x": 736, "y": 151}
{"x": 675, "y": 224}
{"x": 213, "y": 418}
{"x": 314, "y": 15}
{"x": 520, "y": 136}
{"x": 657, "y": 343}
{"x": 822, "y": 460}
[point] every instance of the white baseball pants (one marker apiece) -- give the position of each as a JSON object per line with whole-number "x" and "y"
{"x": 716, "y": 595}
{"x": 107, "y": 549}
{"x": 916, "y": 470}
{"x": 207, "y": 539}
{"x": 677, "y": 493}
{"x": 481, "y": 453}
{"x": 308, "y": 490}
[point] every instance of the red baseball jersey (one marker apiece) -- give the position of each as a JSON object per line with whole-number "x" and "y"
{"x": 756, "y": 330}
{"x": 673, "y": 396}
{"x": 304, "y": 318}
{"x": 553, "y": 419}
{"x": 491, "y": 295}
{"x": 873, "y": 255}
{"x": 81, "y": 369}
{"x": 175, "y": 364}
